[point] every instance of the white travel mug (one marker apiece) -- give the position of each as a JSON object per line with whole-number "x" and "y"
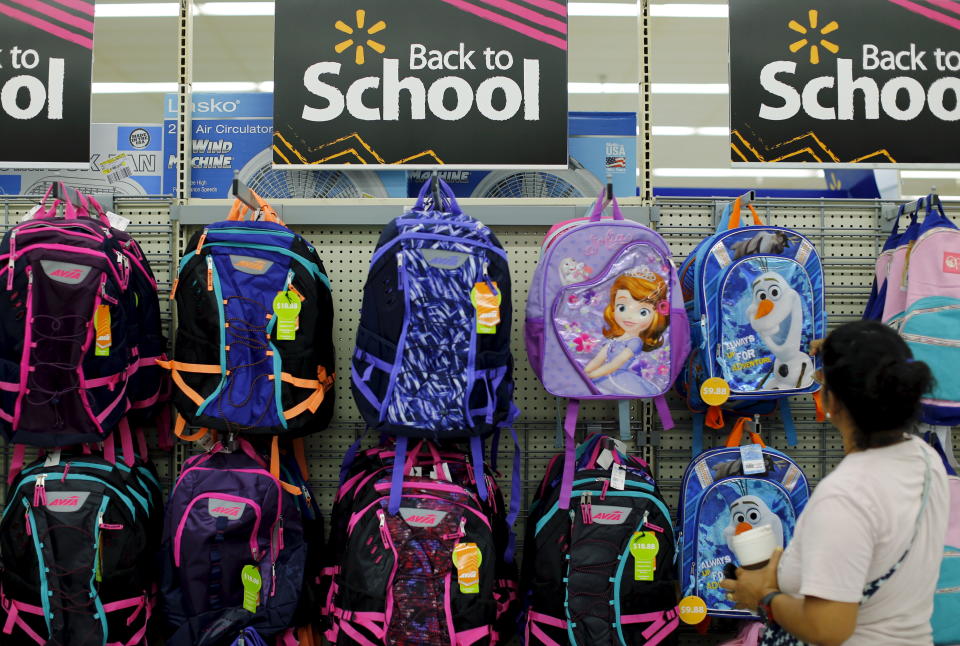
{"x": 754, "y": 547}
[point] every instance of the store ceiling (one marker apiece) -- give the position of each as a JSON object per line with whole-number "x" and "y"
{"x": 602, "y": 50}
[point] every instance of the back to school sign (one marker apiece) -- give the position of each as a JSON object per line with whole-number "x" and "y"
{"x": 423, "y": 83}
{"x": 858, "y": 81}
{"x": 45, "y": 72}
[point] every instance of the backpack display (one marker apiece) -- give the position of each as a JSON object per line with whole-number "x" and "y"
{"x": 602, "y": 573}
{"x": 67, "y": 334}
{"x": 754, "y": 298}
{"x": 930, "y": 323}
{"x": 254, "y": 347}
{"x": 233, "y": 550}
{"x": 77, "y": 540}
{"x": 440, "y": 569}
{"x": 432, "y": 357}
{"x": 719, "y": 498}
{"x": 604, "y": 317}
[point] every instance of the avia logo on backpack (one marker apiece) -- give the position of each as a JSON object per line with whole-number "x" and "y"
{"x": 420, "y": 517}
{"x": 225, "y": 508}
{"x": 66, "y": 501}
{"x": 604, "y": 515}
{"x": 64, "y": 272}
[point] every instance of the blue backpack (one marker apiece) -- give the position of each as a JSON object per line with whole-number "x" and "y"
{"x": 717, "y": 500}
{"x": 433, "y": 358}
{"x": 754, "y": 298}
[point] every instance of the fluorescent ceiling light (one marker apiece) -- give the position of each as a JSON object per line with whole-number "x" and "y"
{"x": 136, "y": 10}
{"x": 930, "y": 174}
{"x": 736, "y": 172}
{"x": 235, "y": 9}
{"x": 225, "y": 86}
{"x": 688, "y": 10}
{"x": 687, "y": 131}
{"x": 603, "y": 88}
{"x": 603, "y": 9}
{"x": 690, "y": 88}
{"x": 133, "y": 88}
{"x": 265, "y": 86}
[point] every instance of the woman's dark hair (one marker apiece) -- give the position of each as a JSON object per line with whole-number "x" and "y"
{"x": 871, "y": 370}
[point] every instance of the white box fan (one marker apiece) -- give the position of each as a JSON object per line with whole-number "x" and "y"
{"x": 575, "y": 182}
{"x": 259, "y": 175}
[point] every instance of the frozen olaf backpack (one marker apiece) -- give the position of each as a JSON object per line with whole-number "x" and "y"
{"x": 727, "y": 491}
{"x": 605, "y": 318}
{"x": 754, "y": 297}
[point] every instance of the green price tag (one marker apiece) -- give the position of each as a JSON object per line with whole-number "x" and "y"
{"x": 250, "y": 577}
{"x": 286, "y": 307}
{"x": 644, "y": 547}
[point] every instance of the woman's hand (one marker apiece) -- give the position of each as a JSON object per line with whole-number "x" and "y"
{"x": 751, "y": 586}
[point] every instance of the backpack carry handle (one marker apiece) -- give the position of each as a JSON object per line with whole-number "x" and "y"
{"x": 101, "y": 213}
{"x": 599, "y": 206}
{"x": 736, "y": 435}
{"x": 446, "y": 195}
{"x": 239, "y": 211}
{"x": 734, "y": 222}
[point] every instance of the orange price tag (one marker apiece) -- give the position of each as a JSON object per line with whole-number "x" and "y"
{"x": 467, "y": 558}
{"x": 488, "y": 307}
{"x": 692, "y": 610}
{"x": 104, "y": 335}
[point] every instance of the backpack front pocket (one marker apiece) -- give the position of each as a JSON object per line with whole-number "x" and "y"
{"x": 931, "y": 327}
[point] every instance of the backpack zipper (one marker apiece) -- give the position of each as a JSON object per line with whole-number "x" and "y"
{"x": 11, "y": 259}
{"x": 209, "y": 273}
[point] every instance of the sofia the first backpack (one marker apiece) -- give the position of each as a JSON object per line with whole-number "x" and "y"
{"x": 605, "y": 318}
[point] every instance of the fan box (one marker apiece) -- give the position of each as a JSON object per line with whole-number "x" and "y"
{"x": 234, "y": 132}
{"x": 125, "y": 159}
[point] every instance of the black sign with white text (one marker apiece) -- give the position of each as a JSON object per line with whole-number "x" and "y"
{"x": 46, "y": 57}
{"x": 424, "y": 83}
{"x": 857, "y": 81}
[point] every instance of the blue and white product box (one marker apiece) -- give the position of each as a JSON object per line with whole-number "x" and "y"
{"x": 234, "y": 132}
{"x": 125, "y": 159}
{"x": 600, "y": 144}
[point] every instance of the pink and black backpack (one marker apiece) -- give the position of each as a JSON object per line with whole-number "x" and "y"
{"x": 605, "y": 317}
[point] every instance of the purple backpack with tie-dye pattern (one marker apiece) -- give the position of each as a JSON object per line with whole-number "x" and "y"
{"x": 605, "y": 317}
{"x": 433, "y": 357}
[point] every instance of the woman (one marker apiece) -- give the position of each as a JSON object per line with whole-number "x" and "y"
{"x": 863, "y": 563}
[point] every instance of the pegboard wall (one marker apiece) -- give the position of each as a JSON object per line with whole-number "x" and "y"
{"x": 847, "y": 234}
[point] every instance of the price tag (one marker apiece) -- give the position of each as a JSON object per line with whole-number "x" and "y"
{"x": 605, "y": 459}
{"x": 644, "y": 547}
{"x": 467, "y": 558}
{"x": 286, "y": 307}
{"x": 118, "y": 222}
{"x": 104, "y": 334}
{"x": 488, "y": 307}
{"x": 693, "y": 610}
{"x": 53, "y": 458}
{"x": 751, "y": 457}
{"x": 29, "y": 215}
{"x": 715, "y": 391}
{"x": 116, "y": 168}
{"x": 250, "y": 577}
{"x": 618, "y": 477}
{"x": 416, "y": 472}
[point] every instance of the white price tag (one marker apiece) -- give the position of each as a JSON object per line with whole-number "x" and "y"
{"x": 751, "y": 457}
{"x": 441, "y": 472}
{"x": 118, "y": 222}
{"x": 618, "y": 477}
{"x": 416, "y": 472}
{"x": 32, "y": 213}
{"x": 53, "y": 458}
{"x": 605, "y": 459}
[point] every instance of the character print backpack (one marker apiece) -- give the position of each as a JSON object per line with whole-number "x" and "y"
{"x": 724, "y": 492}
{"x": 78, "y": 540}
{"x": 432, "y": 357}
{"x": 930, "y": 323}
{"x": 440, "y": 571}
{"x": 754, "y": 299}
{"x": 604, "y": 572}
{"x": 68, "y": 335}
{"x": 604, "y": 317}
{"x": 254, "y": 345}
{"x": 233, "y": 552}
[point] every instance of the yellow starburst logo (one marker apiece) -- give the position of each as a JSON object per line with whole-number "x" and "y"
{"x": 810, "y": 34}
{"x": 357, "y": 36}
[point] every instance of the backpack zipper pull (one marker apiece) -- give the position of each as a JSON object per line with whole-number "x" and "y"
{"x": 486, "y": 279}
{"x": 399, "y": 270}
{"x": 26, "y": 523}
{"x": 11, "y": 260}
{"x": 603, "y": 490}
{"x": 384, "y": 534}
{"x": 273, "y": 578}
{"x": 703, "y": 331}
{"x": 289, "y": 282}
{"x": 203, "y": 237}
{"x": 584, "y": 512}
{"x": 40, "y": 491}
{"x": 209, "y": 273}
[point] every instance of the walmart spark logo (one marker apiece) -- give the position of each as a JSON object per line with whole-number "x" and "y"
{"x": 357, "y": 37}
{"x": 814, "y": 18}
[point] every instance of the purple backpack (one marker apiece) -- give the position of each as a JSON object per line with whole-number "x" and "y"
{"x": 225, "y": 513}
{"x": 605, "y": 317}
{"x": 66, "y": 331}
